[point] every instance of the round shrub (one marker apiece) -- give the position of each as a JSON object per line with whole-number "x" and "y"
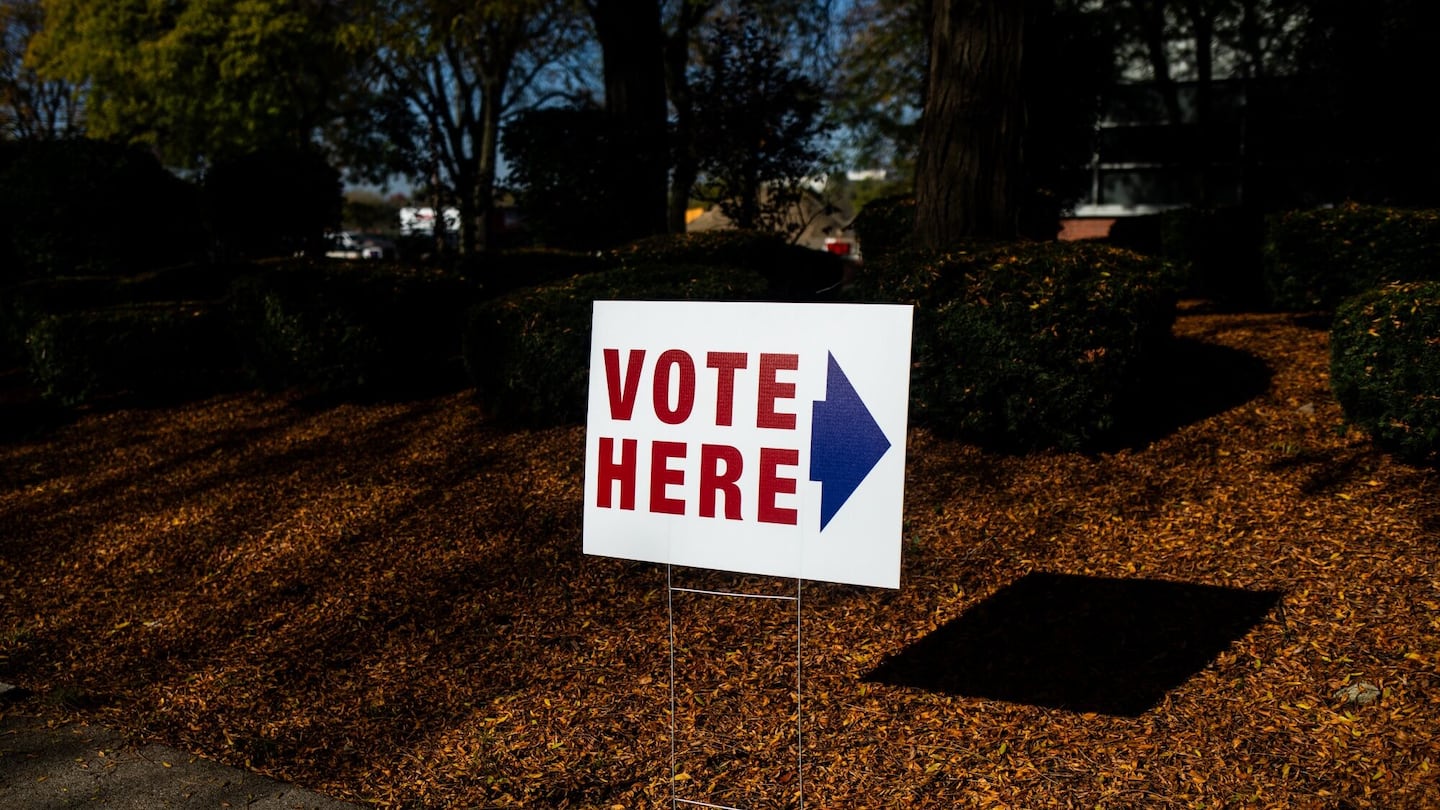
{"x": 1027, "y": 345}
{"x": 793, "y": 273}
{"x": 1385, "y": 366}
{"x": 1142, "y": 234}
{"x": 885, "y": 225}
{"x": 339, "y": 328}
{"x": 528, "y": 353}
{"x": 1216, "y": 252}
{"x": 1316, "y": 259}
{"x": 81, "y": 207}
{"x": 147, "y": 351}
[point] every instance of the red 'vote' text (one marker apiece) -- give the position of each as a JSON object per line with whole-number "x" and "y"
{"x": 675, "y": 368}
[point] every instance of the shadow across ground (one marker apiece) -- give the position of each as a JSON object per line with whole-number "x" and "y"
{"x": 1086, "y": 644}
{"x": 1192, "y": 380}
{"x": 23, "y": 414}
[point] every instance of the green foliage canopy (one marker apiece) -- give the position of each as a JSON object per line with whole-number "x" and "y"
{"x": 566, "y": 165}
{"x": 758, "y": 122}
{"x": 881, "y": 82}
{"x": 197, "y": 79}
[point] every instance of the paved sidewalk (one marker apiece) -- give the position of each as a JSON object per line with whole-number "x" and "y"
{"x": 45, "y": 766}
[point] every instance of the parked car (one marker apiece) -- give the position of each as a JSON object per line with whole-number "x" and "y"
{"x": 347, "y": 245}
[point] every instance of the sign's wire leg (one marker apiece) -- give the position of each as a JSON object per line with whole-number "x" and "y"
{"x": 670, "y": 613}
{"x": 670, "y": 589}
{"x": 799, "y": 704}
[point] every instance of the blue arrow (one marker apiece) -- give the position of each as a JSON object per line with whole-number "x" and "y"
{"x": 845, "y": 442}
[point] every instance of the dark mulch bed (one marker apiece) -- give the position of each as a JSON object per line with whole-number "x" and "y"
{"x": 387, "y": 602}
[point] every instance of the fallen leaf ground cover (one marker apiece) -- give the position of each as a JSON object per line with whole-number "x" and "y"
{"x": 388, "y": 603}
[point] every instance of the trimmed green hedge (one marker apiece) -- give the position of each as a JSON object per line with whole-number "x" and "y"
{"x": 1385, "y": 366}
{"x": 501, "y": 272}
{"x": 1027, "y": 345}
{"x": 1316, "y": 259}
{"x": 146, "y": 351}
{"x": 792, "y": 272}
{"x": 528, "y": 353}
{"x": 339, "y": 328}
{"x": 1216, "y": 252}
{"x": 885, "y": 225}
{"x": 23, "y": 305}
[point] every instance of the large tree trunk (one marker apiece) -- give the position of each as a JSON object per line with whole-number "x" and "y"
{"x": 968, "y": 173}
{"x": 493, "y": 93}
{"x": 686, "y": 169}
{"x": 467, "y": 203}
{"x": 1203, "y": 25}
{"x": 1151, "y": 16}
{"x": 633, "y": 43}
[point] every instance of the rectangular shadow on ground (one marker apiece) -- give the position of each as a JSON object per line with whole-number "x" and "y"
{"x": 1086, "y": 644}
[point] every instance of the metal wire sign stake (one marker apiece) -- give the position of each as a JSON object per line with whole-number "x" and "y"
{"x": 756, "y": 438}
{"x": 671, "y": 590}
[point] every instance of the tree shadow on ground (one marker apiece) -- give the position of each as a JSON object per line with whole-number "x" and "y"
{"x": 1085, "y": 644}
{"x": 23, "y": 414}
{"x": 1192, "y": 380}
{"x": 26, "y": 420}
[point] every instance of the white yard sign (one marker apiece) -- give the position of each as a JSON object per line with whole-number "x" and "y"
{"x": 752, "y": 437}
